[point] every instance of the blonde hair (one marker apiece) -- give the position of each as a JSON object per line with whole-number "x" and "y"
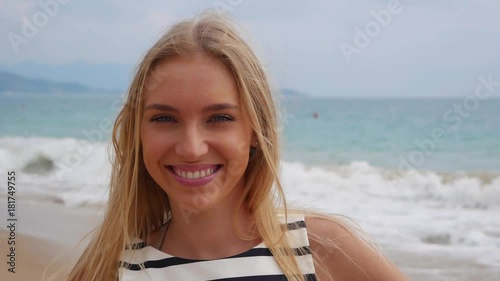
{"x": 137, "y": 205}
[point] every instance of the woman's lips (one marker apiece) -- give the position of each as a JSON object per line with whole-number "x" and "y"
{"x": 194, "y": 175}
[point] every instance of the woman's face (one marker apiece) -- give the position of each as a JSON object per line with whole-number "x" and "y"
{"x": 195, "y": 134}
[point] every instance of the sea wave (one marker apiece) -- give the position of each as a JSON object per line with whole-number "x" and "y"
{"x": 75, "y": 171}
{"x": 453, "y": 189}
{"x": 417, "y": 210}
{"x": 67, "y": 170}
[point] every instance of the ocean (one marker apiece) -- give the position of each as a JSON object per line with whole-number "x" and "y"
{"x": 417, "y": 174}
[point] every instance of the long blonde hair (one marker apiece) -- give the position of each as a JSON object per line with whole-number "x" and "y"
{"x": 137, "y": 205}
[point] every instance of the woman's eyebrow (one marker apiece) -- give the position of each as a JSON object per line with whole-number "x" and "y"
{"x": 162, "y": 107}
{"x": 213, "y": 107}
{"x": 220, "y": 106}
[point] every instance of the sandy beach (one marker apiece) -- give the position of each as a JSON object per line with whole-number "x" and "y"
{"x": 46, "y": 234}
{"x": 50, "y": 232}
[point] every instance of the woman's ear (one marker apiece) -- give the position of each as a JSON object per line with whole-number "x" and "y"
{"x": 253, "y": 148}
{"x": 253, "y": 141}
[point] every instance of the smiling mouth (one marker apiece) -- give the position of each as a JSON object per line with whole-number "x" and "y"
{"x": 194, "y": 175}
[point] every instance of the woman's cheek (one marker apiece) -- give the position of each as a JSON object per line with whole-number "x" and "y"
{"x": 238, "y": 164}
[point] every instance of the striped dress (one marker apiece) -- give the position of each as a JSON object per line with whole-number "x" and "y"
{"x": 256, "y": 264}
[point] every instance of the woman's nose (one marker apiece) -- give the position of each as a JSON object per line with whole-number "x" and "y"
{"x": 191, "y": 146}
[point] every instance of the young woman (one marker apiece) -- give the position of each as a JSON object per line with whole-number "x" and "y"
{"x": 195, "y": 193}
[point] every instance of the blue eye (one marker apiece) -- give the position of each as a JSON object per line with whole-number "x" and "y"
{"x": 162, "y": 119}
{"x": 221, "y": 118}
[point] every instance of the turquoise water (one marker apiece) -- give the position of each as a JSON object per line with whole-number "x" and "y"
{"x": 382, "y": 132}
{"x": 55, "y": 116}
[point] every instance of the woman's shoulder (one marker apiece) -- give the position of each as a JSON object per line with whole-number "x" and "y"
{"x": 344, "y": 253}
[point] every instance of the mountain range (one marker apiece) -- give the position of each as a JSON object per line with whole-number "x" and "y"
{"x": 14, "y": 83}
{"x": 96, "y": 76}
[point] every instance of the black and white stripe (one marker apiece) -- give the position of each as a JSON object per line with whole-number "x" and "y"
{"x": 142, "y": 262}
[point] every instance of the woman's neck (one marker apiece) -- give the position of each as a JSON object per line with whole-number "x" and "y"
{"x": 211, "y": 234}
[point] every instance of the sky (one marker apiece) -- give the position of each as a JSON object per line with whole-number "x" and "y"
{"x": 332, "y": 48}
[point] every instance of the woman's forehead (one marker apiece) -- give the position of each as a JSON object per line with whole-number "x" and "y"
{"x": 193, "y": 80}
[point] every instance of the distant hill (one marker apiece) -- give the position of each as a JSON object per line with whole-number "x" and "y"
{"x": 97, "y": 76}
{"x": 13, "y": 83}
{"x": 286, "y": 92}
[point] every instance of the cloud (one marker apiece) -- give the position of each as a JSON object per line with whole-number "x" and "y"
{"x": 15, "y": 10}
{"x": 299, "y": 41}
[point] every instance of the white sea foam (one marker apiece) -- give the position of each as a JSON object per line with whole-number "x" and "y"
{"x": 422, "y": 211}
{"x": 69, "y": 171}
{"x": 418, "y": 210}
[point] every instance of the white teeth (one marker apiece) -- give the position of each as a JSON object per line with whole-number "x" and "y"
{"x": 195, "y": 174}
